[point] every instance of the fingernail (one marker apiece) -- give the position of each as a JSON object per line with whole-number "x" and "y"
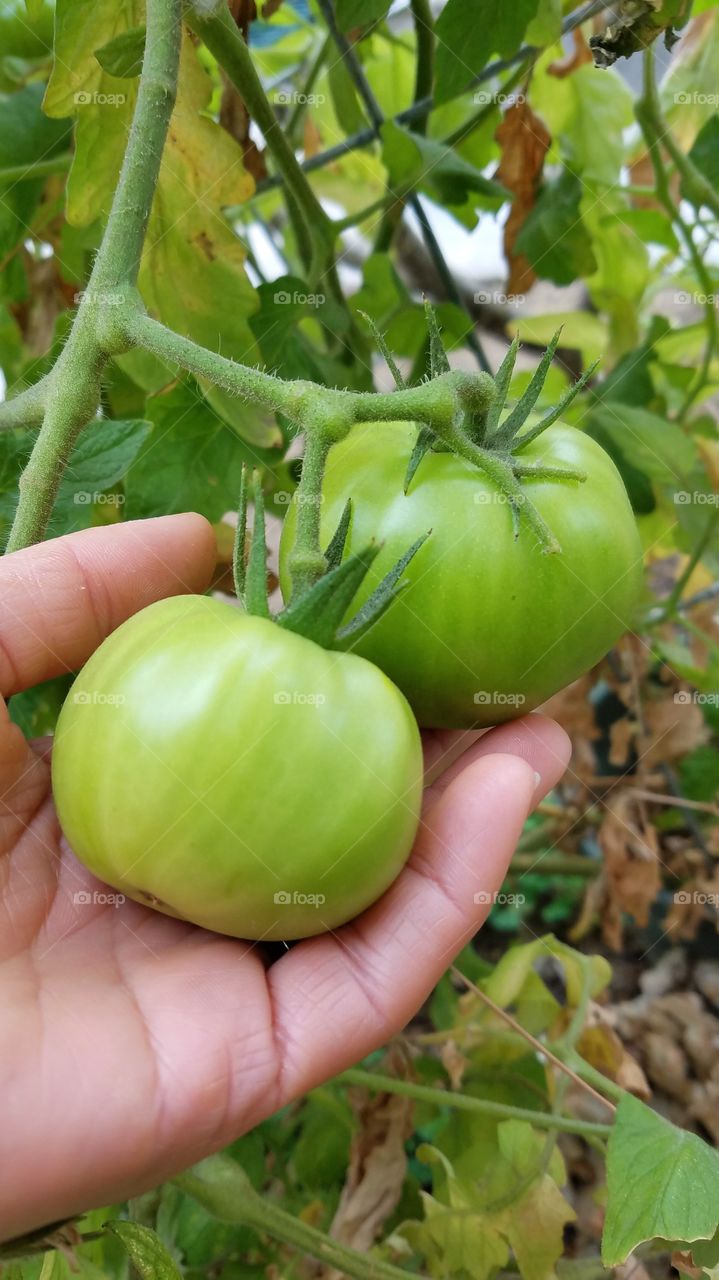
{"x": 537, "y": 778}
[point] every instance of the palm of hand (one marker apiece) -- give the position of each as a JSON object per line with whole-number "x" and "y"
{"x": 137, "y": 1043}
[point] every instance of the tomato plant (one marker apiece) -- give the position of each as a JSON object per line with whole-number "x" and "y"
{"x": 231, "y": 773}
{"x": 488, "y": 626}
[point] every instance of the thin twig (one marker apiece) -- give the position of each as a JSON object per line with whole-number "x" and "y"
{"x": 527, "y": 1035}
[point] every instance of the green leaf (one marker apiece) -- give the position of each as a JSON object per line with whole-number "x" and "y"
{"x": 98, "y": 463}
{"x": 547, "y": 26}
{"x": 103, "y": 104}
{"x": 657, "y": 447}
{"x": 705, "y": 152}
{"x": 191, "y": 461}
{"x": 466, "y": 42}
{"x": 587, "y": 114}
{"x": 553, "y": 236}
{"x": 662, "y": 1183}
{"x": 26, "y": 135}
{"x": 36, "y": 710}
{"x": 581, "y": 331}
{"x": 193, "y": 276}
{"x": 429, "y": 165}
{"x": 359, "y": 13}
{"x": 122, "y": 56}
{"x": 145, "y": 1250}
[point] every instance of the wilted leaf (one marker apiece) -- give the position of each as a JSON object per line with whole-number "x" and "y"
{"x": 524, "y": 140}
{"x": 378, "y": 1162}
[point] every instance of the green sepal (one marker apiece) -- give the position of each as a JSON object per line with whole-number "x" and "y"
{"x": 318, "y": 613}
{"x": 336, "y": 545}
{"x": 381, "y": 341}
{"x": 438, "y": 362}
{"x": 239, "y": 572}
{"x": 425, "y": 440}
{"x": 556, "y": 412}
{"x": 507, "y": 431}
{"x": 502, "y": 379}
{"x": 381, "y": 598}
{"x": 255, "y": 598}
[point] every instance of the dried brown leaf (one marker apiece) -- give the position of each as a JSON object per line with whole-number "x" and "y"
{"x": 377, "y": 1168}
{"x": 580, "y": 55}
{"x": 630, "y": 848}
{"x": 524, "y": 141}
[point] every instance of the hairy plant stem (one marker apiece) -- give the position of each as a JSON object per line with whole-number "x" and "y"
{"x": 306, "y": 561}
{"x": 467, "y": 1102}
{"x": 72, "y": 390}
{"x": 224, "y": 1190}
{"x": 657, "y": 135}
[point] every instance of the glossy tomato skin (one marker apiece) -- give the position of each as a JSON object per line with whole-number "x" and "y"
{"x": 236, "y": 775}
{"x": 489, "y": 627}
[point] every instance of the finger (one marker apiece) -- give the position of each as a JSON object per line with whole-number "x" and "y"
{"x": 62, "y": 597}
{"x": 534, "y": 738}
{"x": 339, "y": 996}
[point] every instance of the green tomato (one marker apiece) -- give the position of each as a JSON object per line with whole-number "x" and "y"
{"x": 234, "y": 774}
{"x": 489, "y": 626}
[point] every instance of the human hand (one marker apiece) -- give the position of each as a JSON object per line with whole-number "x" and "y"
{"x": 135, "y": 1044}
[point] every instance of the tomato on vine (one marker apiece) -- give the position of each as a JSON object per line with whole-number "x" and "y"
{"x": 489, "y": 625}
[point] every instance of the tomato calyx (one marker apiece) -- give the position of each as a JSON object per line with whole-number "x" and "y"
{"x": 493, "y": 442}
{"x": 317, "y": 613}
